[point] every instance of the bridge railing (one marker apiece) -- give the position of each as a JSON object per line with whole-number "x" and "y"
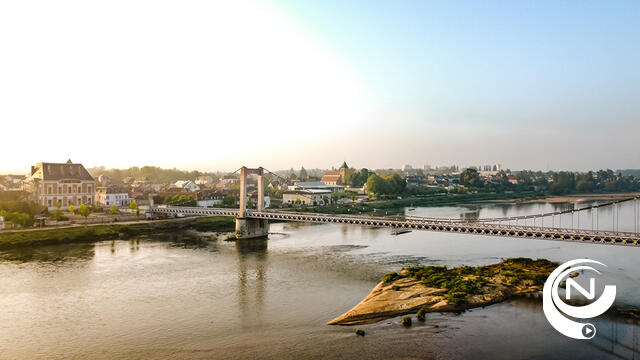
{"x": 391, "y": 222}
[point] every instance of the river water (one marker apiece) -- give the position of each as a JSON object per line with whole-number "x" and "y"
{"x": 178, "y": 296}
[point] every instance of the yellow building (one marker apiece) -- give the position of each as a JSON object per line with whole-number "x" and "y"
{"x": 338, "y": 177}
{"x": 65, "y": 184}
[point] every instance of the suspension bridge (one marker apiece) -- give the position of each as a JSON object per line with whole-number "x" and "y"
{"x": 255, "y": 223}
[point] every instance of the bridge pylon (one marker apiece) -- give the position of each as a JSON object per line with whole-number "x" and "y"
{"x": 248, "y": 228}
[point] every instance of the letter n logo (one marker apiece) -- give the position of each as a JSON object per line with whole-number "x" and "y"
{"x": 591, "y": 294}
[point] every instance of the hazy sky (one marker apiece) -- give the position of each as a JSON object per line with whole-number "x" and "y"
{"x": 217, "y": 84}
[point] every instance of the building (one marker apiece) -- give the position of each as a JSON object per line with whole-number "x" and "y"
{"x": 12, "y": 182}
{"x": 187, "y": 185}
{"x": 6, "y": 225}
{"x": 204, "y": 180}
{"x": 54, "y": 184}
{"x": 306, "y": 197}
{"x": 208, "y": 198}
{"x": 406, "y": 167}
{"x": 227, "y": 183}
{"x": 107, "y": 196}
{"x": 512, "y": 179}
{"x": 314, "y": 185}
{"x": 337, "y": 177}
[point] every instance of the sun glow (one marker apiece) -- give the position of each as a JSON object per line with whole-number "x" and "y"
{"x": 224, "y": 80}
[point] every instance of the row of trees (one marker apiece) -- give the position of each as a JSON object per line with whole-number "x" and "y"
{"x": 562, "y": 182}
{"x": 153, "y": 173}
{"x": 601, "y": 181}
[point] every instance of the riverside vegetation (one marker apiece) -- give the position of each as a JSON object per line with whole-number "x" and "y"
{"x": 111, "y": 231}
{"x": 426, "y": 289}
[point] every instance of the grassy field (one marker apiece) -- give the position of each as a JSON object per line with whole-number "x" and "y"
{"x": 111, "y": 231}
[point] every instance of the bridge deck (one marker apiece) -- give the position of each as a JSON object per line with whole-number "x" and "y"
{"x": 426, "y": 224}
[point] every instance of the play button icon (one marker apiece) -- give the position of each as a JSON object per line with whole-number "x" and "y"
{"x": 588, "y": 331}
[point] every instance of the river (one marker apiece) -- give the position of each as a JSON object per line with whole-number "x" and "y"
{"x": 176, "y": 296}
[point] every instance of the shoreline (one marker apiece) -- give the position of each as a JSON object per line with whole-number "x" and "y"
{"x": 425, "y": 289}
{"x": 576, "y": 198}
{"x": 99, "y": 232}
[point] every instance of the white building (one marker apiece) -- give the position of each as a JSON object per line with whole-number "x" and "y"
{"x": 306, "y": 197}
{"x": 406, "y": 167}
{"x": 209, "y": 202}
{"x": 188, "y": 185}
{"x": 112, "y": 196}
{"x": 314, "y": 185}
{"x": 204, "y": 180}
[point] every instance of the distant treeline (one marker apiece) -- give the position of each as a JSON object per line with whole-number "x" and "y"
{"x": 152, "y": 173}
{"x": 558, "y": 183}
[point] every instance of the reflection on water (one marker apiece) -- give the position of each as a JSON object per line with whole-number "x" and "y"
{"x": 252, "y": 266}
{"x": 48, "y": 254}
{"x": 181, "y": 295}
{"x": 621, "y": 217}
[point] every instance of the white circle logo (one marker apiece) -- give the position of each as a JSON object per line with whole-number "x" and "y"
{"x": 556, "y": 310}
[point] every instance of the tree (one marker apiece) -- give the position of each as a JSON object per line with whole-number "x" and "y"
{"x": 84, "y": 211}
{"x": 376, "y": 185}
{"x": 298, "y": 202}
{"x": 359, "y": 178}
{"x": 229, "y": 200}
{"x": 112, "y": 210}
{"x": 563, "y": 182}
{"x": 71, "y": 208}
{"x": 303, "y": 174}
{"x": 57, "y": 214}
{"x": 470, "y": 178}
{"x": 249, "y": 204}
{"x": 395, "y": 184}
{"x": 134, "y": 206}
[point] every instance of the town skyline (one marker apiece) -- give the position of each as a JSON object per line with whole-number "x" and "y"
{"x": 397, "y": 166}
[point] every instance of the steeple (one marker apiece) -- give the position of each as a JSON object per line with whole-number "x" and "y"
{"x": 69, "y": 161}
{"x": 344, "y": 165}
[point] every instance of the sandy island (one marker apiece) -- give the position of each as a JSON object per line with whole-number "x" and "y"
{"x": 436, "y": 288}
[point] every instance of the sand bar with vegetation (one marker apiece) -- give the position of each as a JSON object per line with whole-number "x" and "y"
{"x": 440, "y": 289}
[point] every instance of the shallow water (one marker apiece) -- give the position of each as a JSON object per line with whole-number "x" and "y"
{"x": 174, "y": 296}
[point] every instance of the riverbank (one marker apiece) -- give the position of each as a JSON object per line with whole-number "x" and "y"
{"x": 426, "y": 289}
{"x": 99, "y": 232}
{"x": 428, "y": 201}
{"x": 398, "y": 205}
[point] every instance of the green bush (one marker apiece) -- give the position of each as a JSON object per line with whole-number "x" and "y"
{"x": 389, "y": 277}
{"x": 456, "y": 297}
{"x": 406, "y": 321}
{"x": 422, "y": 314}
{"x": 395, "y": 288}
{"x": 360, "y": 332}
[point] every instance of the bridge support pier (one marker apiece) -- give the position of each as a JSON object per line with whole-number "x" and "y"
{"x": 250, "y": 228}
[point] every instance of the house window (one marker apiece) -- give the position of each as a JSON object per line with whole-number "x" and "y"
{"x": 49, "y": 202}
